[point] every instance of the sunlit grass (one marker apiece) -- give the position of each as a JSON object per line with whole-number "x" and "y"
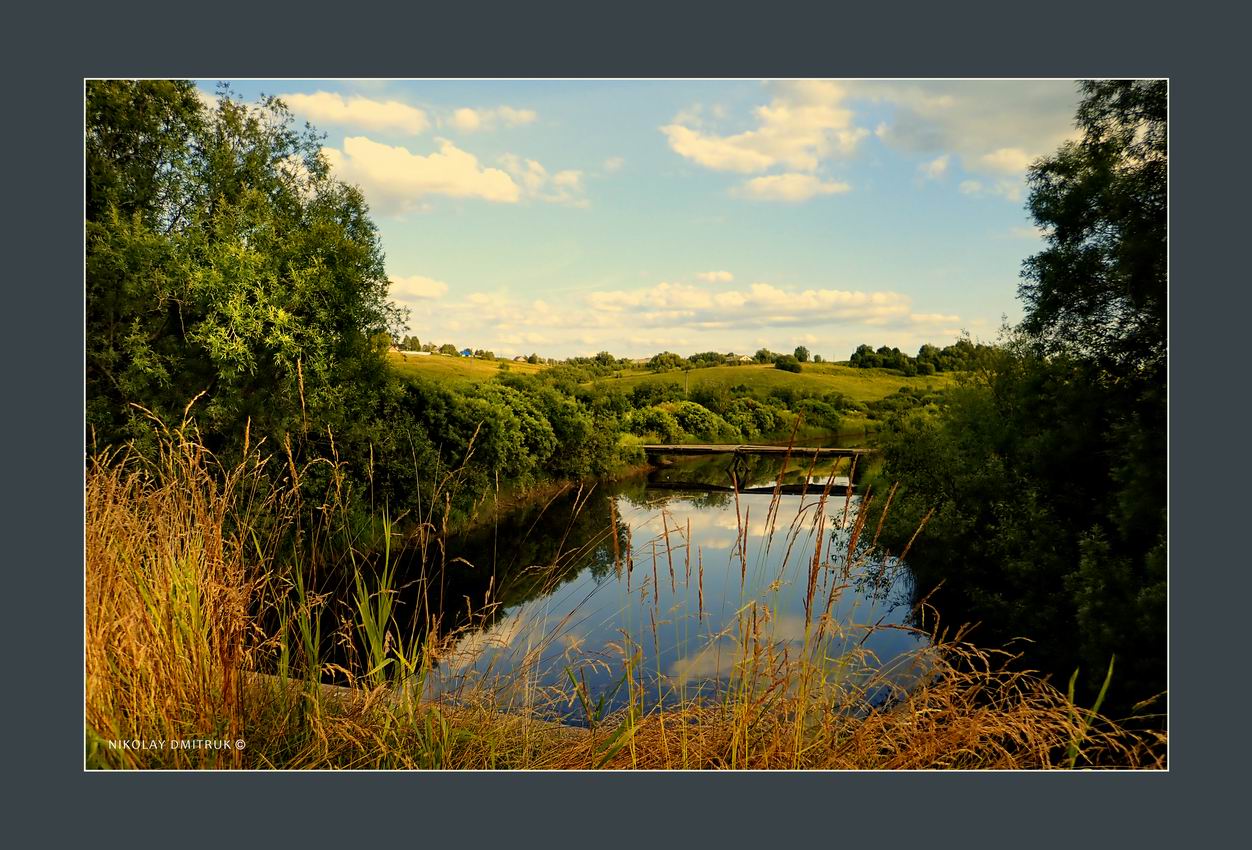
{"x": 860, "y": 385}
{"x": 455, "y": 369}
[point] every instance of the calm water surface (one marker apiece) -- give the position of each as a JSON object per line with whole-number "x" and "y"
{"x": 673, "y": 580}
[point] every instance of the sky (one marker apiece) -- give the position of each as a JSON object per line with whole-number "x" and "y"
{"x": 571, "y": 217}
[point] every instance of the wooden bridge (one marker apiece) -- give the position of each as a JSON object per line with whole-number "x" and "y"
{"x": 744, "y": 449}
{"x": 737, "y": 468}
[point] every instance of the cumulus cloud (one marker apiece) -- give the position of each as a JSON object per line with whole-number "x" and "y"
{"x": 716, "y": 277}
{"x": 761, "y": 304}
{"x": 614, "y": 163}
{"x": 358, "y": 112}
{"x": 682, "y": 317}
{"x": 562, "y": 187}
{"x": 1006, "y": 161}
{"x": 470, "y": 120}
{"x": 395, "y": 179}
{"x": 935, "y": 168}
{"x": 804, "y": 123}
{"x": 790, "y": 187}
{"x": 417, "y": 288}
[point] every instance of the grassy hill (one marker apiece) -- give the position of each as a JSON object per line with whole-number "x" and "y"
{"x": 450, "y": 369}
{"x": 861, "y": 385}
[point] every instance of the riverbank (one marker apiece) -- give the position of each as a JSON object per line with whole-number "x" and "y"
{"x": 171, "y": 650}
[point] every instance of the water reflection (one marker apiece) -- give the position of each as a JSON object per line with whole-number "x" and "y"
{"x": 687, "y": 590}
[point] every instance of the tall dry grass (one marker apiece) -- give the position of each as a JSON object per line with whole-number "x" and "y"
{"x": 197, "y": 627}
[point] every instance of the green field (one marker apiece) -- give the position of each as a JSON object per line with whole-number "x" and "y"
{"x": 450, "y": 369}
{"x": 860, "y": 385}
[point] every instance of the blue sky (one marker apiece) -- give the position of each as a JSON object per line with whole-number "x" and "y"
{"x": 570, "y": 217}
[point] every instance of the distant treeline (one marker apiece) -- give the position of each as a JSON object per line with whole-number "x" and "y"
{"x": 961, "y": 356}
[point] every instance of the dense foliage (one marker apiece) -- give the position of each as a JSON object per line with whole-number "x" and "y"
{"x": 223, "y": 261}
{"x": 961, "y": 356}
{"x": 1047, "y": 471}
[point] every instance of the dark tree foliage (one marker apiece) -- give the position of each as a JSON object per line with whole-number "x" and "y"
{"x": 1098, "y": 289}
{"x": 962, "y": 356}
{"x": 1047, "y": 471}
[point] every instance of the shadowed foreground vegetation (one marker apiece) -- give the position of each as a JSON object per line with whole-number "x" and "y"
{"x": 198, "y": 628}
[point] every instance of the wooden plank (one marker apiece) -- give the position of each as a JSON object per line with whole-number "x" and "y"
{"x": 706, "y": 449}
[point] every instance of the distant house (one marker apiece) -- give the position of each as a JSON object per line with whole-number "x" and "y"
{"x": 744, "y": 358}
{"x": 415, "y": 353}
{"x": 465, "y": 352}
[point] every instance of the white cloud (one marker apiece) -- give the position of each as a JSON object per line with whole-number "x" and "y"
{"x": 417, "y": 288}
{"x": 803, "y": 124}
{"x": 716, "y": 153}
{"x": 683, "y": 317}
{"x": 614, "y": 163}
{"x": 935, "y": 168}
{"x": 563, "y": 187}
{"x": 1006, "y": 161}
{"x": 395, "y": 180}
{"x": 515, "y": 117}
{"x": 790, "y": 187}
{"x": 470, "y": 120}
{"x": 716, "y": 277}
{"x": 970, "y": 187}
{"x": 762, "y": 304}
{"x": 358, "y": 112}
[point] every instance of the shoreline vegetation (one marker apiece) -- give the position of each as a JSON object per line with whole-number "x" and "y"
{"x": 184, "y": 573}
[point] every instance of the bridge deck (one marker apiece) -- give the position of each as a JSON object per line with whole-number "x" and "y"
{"x": 709, "y": 449}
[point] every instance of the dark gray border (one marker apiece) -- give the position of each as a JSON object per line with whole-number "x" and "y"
{"x": 47, "y": 59}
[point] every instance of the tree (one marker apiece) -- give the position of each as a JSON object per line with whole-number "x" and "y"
{"x": 802, "y": 354}
{"x": 666, "y": 361}
{"x": 1099, "y": 287}
{"x": 1046, "y": 471}
{"x": 787, "y": 363}
{"x": 864, "y": 357}
{"x": 223, "y": 261}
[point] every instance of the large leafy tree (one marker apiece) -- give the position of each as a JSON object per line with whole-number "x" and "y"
{"x": 1047, "y": 472}
{"x": 1099, "y": 288}
{"x": 223, "y": 261}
